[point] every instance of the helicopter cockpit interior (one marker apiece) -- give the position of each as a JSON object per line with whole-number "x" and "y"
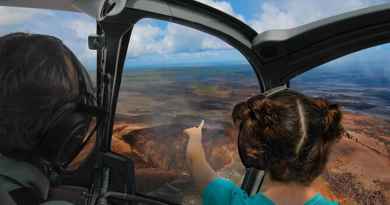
{"x": 137, "y": 155}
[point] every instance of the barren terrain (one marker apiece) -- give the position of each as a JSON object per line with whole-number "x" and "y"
{"x": 357, "y": 172}
{"x": 156, "y": 105}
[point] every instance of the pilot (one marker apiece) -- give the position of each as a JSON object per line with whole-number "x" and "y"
{"x": 285, "y": 133}
{"x": 44, "y": 91}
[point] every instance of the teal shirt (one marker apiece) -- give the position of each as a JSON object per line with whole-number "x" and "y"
{"x": 224, "y": 192}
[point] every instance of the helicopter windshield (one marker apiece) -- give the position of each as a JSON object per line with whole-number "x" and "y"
{"x": 158, "y": 101}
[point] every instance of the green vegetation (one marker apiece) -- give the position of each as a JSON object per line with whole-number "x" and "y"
{"x": 201, "y": 89}
{"x": 215, "y": 91}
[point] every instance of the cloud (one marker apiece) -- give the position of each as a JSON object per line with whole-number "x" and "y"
{"x": 282, "y": 14}
{"x": 72, "y": 28}
{"x": 276, "y": 14}
{"x": 147, "y": 38}
{"x": 11, "y": 16}
{"x": 183, "y": 39}
{"x": 223, "y": 6}
{"x": 82, "y": 27}
{"x": 144, "y": 40}
{"x": 174, "y": 38}
{"x": 170, "y": 38}
{"x": 151, "y": 37}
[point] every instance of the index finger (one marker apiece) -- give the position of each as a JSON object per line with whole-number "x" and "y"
{"x": 201, "y": 124}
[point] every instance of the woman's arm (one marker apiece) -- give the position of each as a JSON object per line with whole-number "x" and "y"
{"x": 201, "y": 170}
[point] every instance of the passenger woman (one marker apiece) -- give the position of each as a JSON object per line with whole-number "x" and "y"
{"x": 285, "y": 133}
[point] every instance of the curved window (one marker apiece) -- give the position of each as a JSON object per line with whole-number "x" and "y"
{"x": 175, "y": 77}
{"x": 358, "y": 168}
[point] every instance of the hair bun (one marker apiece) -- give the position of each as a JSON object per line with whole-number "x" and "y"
{"x": 331, "y": 119}
{"x": 241, "y": 112}
{"x": 265, "y": 111}
{"x": 333, "y": 126}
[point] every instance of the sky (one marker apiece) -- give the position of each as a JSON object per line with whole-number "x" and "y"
{"x": 156, "y": 42}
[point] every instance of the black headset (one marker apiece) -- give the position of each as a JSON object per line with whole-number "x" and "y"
{"x": 67, "y": 132}
{"x": 66, "y": 135}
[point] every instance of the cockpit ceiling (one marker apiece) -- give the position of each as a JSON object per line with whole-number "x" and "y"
{"x": 66, "y": 5}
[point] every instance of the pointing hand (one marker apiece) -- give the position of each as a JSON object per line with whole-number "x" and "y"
{"x": 194, "y": 138}
{"x": 195, "y": 133}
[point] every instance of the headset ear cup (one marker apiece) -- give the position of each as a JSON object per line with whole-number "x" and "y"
{"x": 74, "y": 144}
{"x": 64, "y": 140}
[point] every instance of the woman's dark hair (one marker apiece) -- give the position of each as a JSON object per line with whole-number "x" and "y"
{"x": 290, "y": 134}
{"x": 37, "y": 73}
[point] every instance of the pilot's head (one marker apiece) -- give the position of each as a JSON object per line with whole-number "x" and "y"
{"x": 43, "y": 88}
{"x": 287, "y": 134}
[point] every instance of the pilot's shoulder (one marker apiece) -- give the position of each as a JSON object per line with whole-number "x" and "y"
{"x": 24, "y": 174}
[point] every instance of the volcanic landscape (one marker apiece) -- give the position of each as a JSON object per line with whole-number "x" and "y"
{"x": 156, "y": 105}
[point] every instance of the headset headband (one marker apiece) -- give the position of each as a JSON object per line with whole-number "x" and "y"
{"x": 275, "y": 90}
